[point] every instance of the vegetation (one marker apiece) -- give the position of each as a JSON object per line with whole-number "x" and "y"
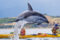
{"x": 6, "y": 20}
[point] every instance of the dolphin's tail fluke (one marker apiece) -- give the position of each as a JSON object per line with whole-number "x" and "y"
{"x": 30, "y": 7}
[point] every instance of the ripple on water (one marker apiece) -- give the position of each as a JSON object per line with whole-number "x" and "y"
{"x": 37, "y": 39}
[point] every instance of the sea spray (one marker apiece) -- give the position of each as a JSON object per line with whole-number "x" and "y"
{"x": 19, "y": 24}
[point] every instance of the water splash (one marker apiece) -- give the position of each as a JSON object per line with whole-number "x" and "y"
{"x": 19, "y": 24}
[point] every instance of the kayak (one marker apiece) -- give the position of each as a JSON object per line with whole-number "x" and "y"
{"x": 29, "y": 36}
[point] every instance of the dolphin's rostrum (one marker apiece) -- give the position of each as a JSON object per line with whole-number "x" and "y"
{"x": 32, "y": 16}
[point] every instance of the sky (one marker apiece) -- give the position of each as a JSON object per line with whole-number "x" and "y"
{"x": 12, "y": 8}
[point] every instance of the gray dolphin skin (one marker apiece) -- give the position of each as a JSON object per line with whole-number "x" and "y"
{"x": 32, "y": 16}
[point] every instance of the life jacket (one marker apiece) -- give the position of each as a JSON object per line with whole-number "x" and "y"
{"x": 54, "y": 30}
{"x": 22, "y": 32}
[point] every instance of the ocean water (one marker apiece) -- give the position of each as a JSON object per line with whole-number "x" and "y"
{"x": 30, "y": 31}
{"x": 36, "y": 39}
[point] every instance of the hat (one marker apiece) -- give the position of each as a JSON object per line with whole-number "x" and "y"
{"x": 56, "y": 25}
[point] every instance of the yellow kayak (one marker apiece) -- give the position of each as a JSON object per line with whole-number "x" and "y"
{"x": 28, "y": 36}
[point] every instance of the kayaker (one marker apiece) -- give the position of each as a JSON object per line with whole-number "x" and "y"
{"x": 54, "y": 30}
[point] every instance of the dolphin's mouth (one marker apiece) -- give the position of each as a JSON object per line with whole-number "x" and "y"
{"x": 47, "y": 21}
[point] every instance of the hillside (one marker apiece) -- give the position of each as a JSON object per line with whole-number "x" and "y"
{"x": 5, "y": 22}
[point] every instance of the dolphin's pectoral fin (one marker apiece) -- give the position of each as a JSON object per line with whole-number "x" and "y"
{"x": 30, "y": 7}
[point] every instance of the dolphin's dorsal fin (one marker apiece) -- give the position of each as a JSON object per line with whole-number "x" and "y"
{"x": 30, "y": 7}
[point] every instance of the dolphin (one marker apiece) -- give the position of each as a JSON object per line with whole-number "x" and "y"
{"x": 32, "y": 16}
{"x": 29, "y": 16}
